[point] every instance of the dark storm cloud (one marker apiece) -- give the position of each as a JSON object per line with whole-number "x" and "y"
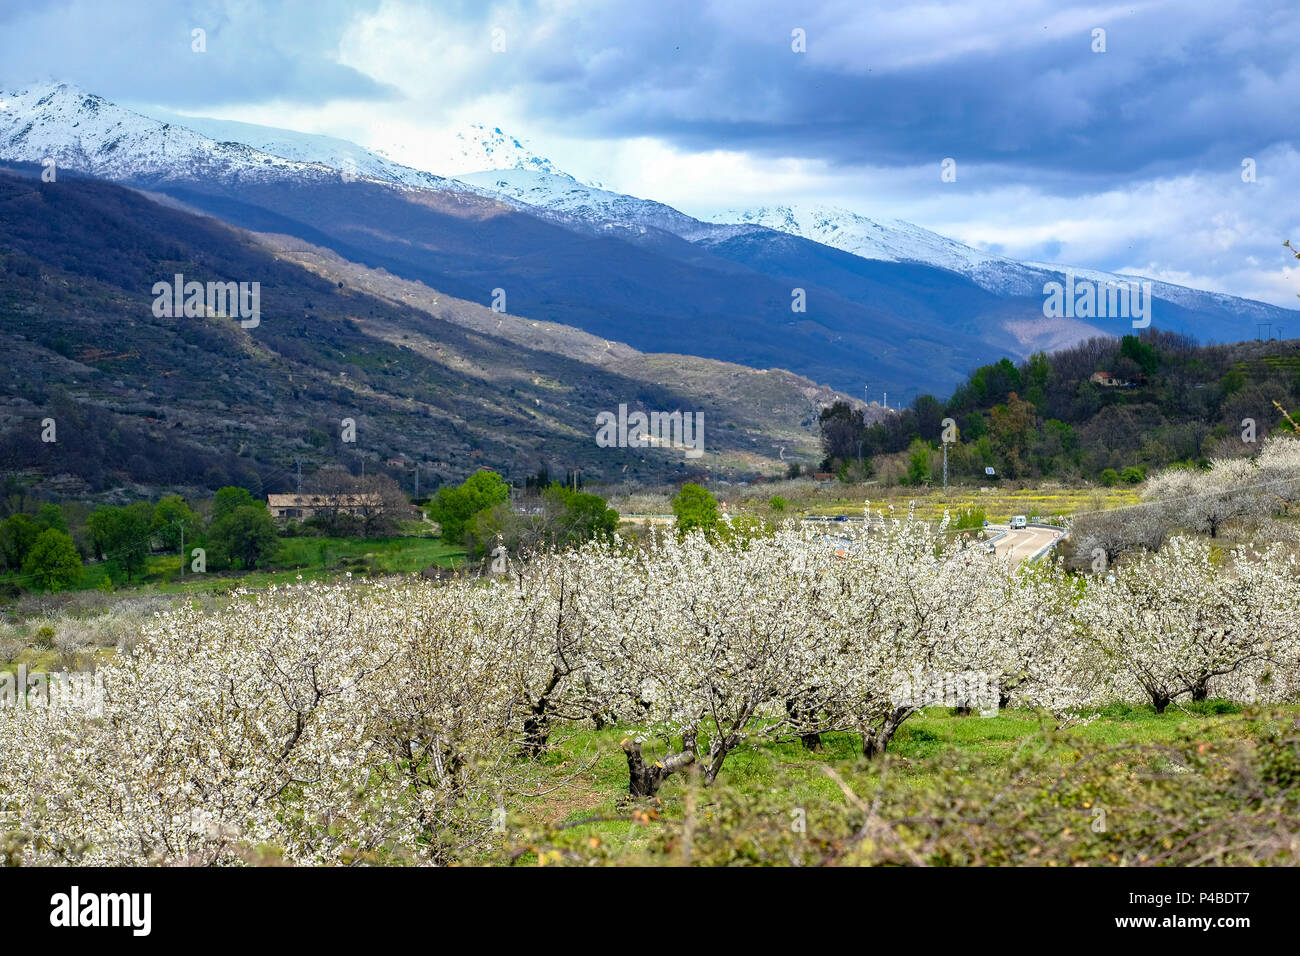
{"x": 1015, "y": 86}
{"x": 1181, "y": 86}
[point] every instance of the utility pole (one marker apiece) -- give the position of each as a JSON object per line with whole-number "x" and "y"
{"x": 886, "y": 400}
{"x": 181, "y": 527}
{"x": 298, "y": 461}
{"x": 417, "y": 481}
{"x": 945, "y": 468}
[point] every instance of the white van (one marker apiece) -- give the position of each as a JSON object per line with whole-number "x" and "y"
{"x": 1018, "y": 522}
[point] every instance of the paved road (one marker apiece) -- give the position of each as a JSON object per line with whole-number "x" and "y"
{"x": 1025, "y": 543}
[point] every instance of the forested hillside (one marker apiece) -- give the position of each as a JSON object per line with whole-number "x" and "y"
{"x": 1160, "y": 398}
{"x": 203, "y": 402}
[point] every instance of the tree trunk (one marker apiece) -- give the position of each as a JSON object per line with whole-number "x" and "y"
{"x": 875, "y": 740}
{"x": 537, "y": 730}
{"x": 800, "y": 715}
{"x": 719, "y": 747}
{"x": 1160, "y": 701}
{"x": 811, "y": 741}
{"x": 1201, "y": 689}
{"x": 537, "y": 726}
{"x": 644, "y": 780}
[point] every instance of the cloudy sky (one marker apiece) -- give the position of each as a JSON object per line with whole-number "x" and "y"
{"x": 1128, "y": 160}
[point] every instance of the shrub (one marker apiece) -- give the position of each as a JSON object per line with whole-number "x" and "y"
{"x": 43, "y": 639}
{"x": 696, "y": 510}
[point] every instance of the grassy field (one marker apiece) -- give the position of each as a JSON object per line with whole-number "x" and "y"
{"x": 316, "y": 559}
{"x": 804, "y": 498}
{"x": 794, "y": 776}
{"x": 999, "y": 504}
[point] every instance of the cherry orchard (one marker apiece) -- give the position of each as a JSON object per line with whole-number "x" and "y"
{"x": 408, "y": 721}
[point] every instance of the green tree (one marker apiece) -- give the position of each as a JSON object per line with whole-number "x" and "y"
{"x": 1109, "y": 477}
{"x": 929, "y": 417}
{"x": 1233, "y": 382}
{"x": 918, "y": 463}
{"x": 51, "y": 516}
{"x": 973, "y": 426}
{"x": 52, "y": 562}
{"x": 1010, "y": 429}
{"x": 1038, "y": 371}
{"x": 18, "y": 533}
{"x": 97, "y": 526}
{"x": 1147, "y": 358}
{"x": 842, "y": 429}
{"x": 567, "y": 518}
{"x": 172, "y": 517}
{"x": 581, "y": 516}
{"x": 230, "y": 498}
{"x": 453, "y": 508}
{"x": 122, "y": 536}
{"x": 695, "y": 508}
{"x": 247, "y": 533}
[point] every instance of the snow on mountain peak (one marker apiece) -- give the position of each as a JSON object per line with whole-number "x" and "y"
{"x": 477, "y": 148}
{"x": 889, "y": 240}
{"x": 86, "y": 132}
{"x": 90, "y": 134}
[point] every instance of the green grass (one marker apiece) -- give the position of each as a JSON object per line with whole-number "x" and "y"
{"x": 999, "y": 504}
{"x": 989, "y": 743}
{"x": 316, "y": 559}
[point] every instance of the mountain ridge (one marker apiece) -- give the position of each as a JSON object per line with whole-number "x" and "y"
{"x": 890, "y": 302}
{"x": 203, "y": 402}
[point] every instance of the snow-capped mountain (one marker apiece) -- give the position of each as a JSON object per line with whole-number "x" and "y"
{"x": 889, "y": 240}
{"x": 839, "y": 250}
{"x": 885, "y": 240}
{"x": 472, "y": 149}
{"x": 893, "y": 240}
{"x": 85, "y": 132}
{"x": 477, "y": 147}
{"x": 349, "y": 159}
{"x": 568, "y": 200}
